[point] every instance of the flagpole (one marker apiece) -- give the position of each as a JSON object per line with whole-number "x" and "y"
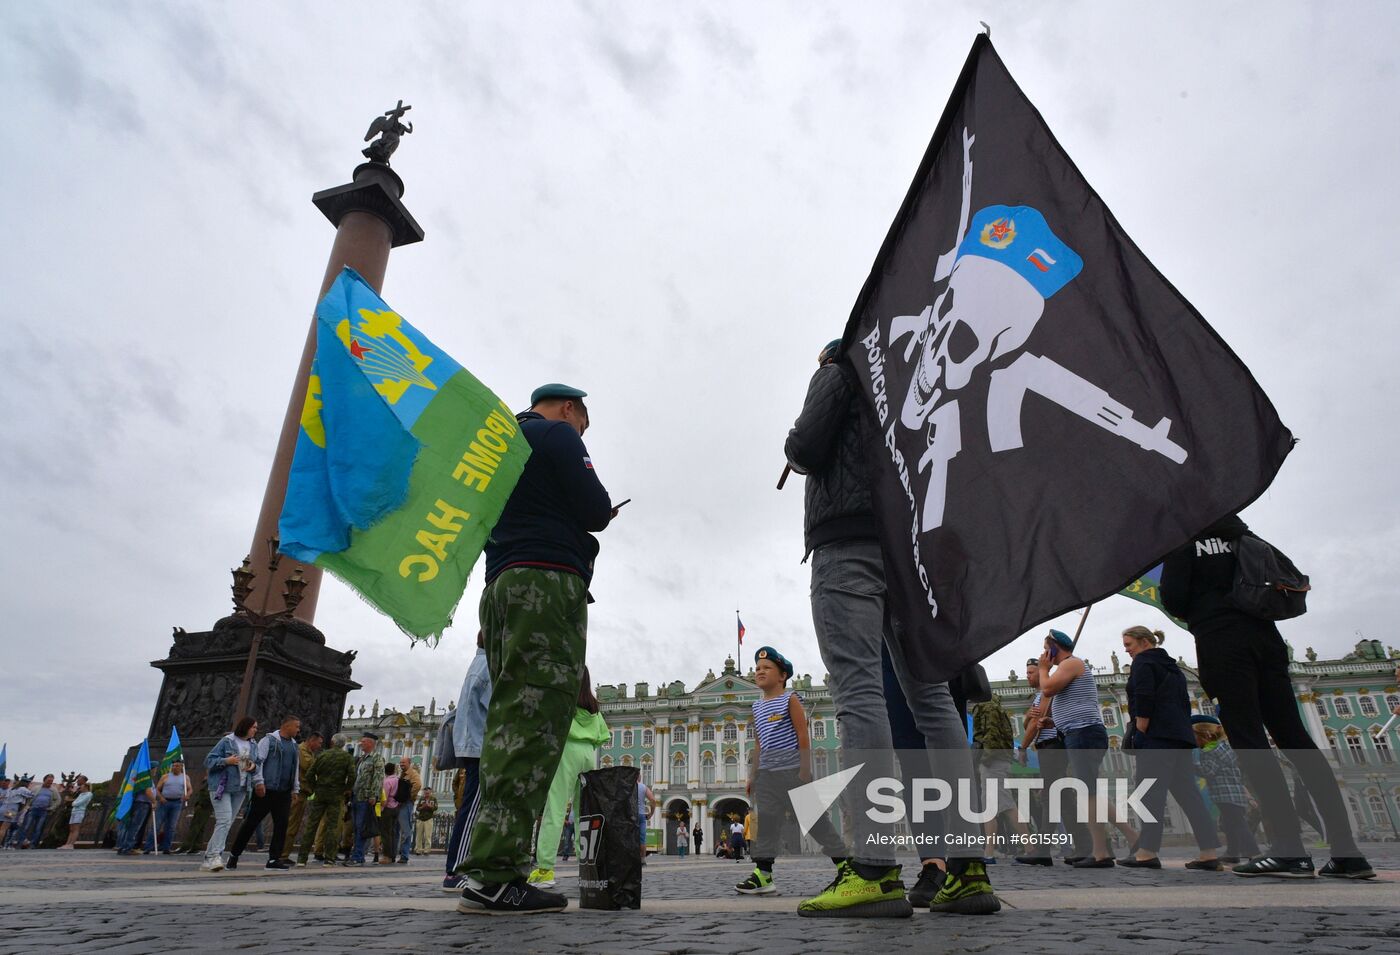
{"x": 1082, "y": 617}
{"x": 738, "y": 644}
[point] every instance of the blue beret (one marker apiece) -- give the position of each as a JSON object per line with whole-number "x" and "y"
{"x": 1019, "y": 238}
{"x": 1062, "y": 638}
{"x": 555, "y": 390}
{"x": 768, "y": 653}
{"x": 1204, "y": 719}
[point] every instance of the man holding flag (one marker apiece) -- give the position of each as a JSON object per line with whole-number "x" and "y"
{"x": 534, "y": 621}
{"x": 136, "y": 804}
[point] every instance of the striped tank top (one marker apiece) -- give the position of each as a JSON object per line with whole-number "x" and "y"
{"x": 1046, "y": 732}
{"x": 777, "y": 737}
{"x": 1077, "y": 705}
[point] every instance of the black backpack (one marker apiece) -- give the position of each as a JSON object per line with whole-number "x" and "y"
{"x": 1267, "y": 584}
{"x": 405, "y": 791}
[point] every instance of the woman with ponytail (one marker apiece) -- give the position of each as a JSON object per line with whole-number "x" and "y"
{"x": 1159, "y": 724}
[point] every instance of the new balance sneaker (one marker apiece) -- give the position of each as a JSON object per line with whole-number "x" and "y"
{"x": 930, "y": 881}
{"x": 544, "y": 878}
{"x": 851, "y": 895}
{"x": 758, "y": 883}
{"x": 1354, "y": 867}
{"x": 966, "y": 891}
{"x": 1280, "y": 867}
{"x": 508, "y": 898}
{"x": 277, "y": 864}
{"x": 453, "y": 883}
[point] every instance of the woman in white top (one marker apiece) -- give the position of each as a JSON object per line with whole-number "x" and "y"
{"x": 78, "y": 813}
{"x": 230, "y": 764}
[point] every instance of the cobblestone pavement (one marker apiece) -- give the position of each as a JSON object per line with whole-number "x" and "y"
{"x": 62, "y": 901}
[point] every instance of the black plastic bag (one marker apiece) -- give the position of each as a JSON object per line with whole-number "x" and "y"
{"x": 610, "y": 839}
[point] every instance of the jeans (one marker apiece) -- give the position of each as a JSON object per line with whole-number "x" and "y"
{"x": 849, "y": 613}
{"x": 34, "y": 827}
{"x": 405, "y": 812}
{"x": 457, "y": 842}
{"x": 1086, "y": 748}
{"x": 130, "y": 833}
{"x": 1054, "y": 764}
{"x": 1246, "y": 670}
{"x": 366, "y": 828}
{"x": 777, "y": 823}
{"x": 225, "y": 808}
{"x": 274, "y": 802}
{"x": 1170, "y": 766}
{"x": 167, "y": 817}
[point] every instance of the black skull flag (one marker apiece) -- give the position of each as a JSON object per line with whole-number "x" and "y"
{"x": 1052, "y": 415}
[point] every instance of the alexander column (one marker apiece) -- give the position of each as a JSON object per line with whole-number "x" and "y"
{"x": 267, "y": 659}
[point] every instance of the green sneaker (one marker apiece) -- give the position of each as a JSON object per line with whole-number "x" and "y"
{"x": 759, "y": 883}
{"x": 967, "y": 892}
{"x": 544, "y": 878}
{"x": 851, "y": 896}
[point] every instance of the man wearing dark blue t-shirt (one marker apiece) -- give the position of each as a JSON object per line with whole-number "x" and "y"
{"x": 534, "y": 619}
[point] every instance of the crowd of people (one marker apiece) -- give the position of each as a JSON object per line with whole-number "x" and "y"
{"x": 527, "y": 723}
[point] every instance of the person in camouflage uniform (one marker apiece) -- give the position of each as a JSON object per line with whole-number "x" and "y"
{"x": 534, "y": 622}
{"x": 306, "y": 755}
{"x": 327, "y": 782}
{"x": 368, "y": 790}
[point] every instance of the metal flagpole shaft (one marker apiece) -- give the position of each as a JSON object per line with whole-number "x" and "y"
{"x": 1080, "y": 629}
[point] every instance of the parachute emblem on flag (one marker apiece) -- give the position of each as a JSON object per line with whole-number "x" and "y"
{"x": 995, "y": 296}
{"x": 392, "y": 357}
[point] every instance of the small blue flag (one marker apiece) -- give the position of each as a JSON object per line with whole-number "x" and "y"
{"x": 138, "y": 779}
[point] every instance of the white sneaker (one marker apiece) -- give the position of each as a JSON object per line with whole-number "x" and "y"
{"x": 216, "y": 865}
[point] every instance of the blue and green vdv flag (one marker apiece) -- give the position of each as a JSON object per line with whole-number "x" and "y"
{"x": 403, "y": 464}
{"x": 138, "y": 779}
{"x": 173, "y": 752}
{"x": 1148, "y": 589}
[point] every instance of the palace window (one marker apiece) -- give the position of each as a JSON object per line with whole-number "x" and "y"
{"x": 627, "y": 739}
{"x": 627, "y": 760}
{"x": 398, "y": 747}
{"x": 1368, "y": 706}
{"x": 1358, "y": 752}
{"x": 1382, "y": 747}
{"x": 818, "y": 729}
{"x": 1343, "y": 706}
{"x": 819, "y": 763}
{"x": 1392, "y": 700}
{"x": 648, "y": 738}
{"x": 748, "y": 731}
{"x": 1110, "y": 716}
{"x": 1321, "y": 706}
{"x": 731, "y": 733}
{"x": 678, "y": 733}
{"x": 731, "y": 768}
{"x": 418, "y": 748}
{"x": 707, "y": 768}
{"x": 607, "y": 761}
{"x": 707, "y": 733}
{"x": 647, "y": 773}
{"x": 1334, "y": 746}
{"x": 1377, "y": 807}
{"x": 678, "y": 767}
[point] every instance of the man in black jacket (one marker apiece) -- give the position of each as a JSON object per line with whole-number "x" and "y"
{"x": 1244, "y": 666}
{"x": 830, "y": 443}
{"x": 534, "y": 621}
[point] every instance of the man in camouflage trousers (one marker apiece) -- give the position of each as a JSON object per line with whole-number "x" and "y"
{"x": 306, "y": 755}
{"x": 534, "y": 621}
{"x": 367, "y": 791}
{"x": 327, "y": 782}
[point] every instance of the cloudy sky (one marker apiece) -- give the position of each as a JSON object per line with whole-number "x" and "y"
{"x": 670, "y": 205}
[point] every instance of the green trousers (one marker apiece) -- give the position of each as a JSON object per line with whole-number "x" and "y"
{"x": 534, "y": 623}
{"x": 326, "y": 806}
{"x": 578, "y": 757}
